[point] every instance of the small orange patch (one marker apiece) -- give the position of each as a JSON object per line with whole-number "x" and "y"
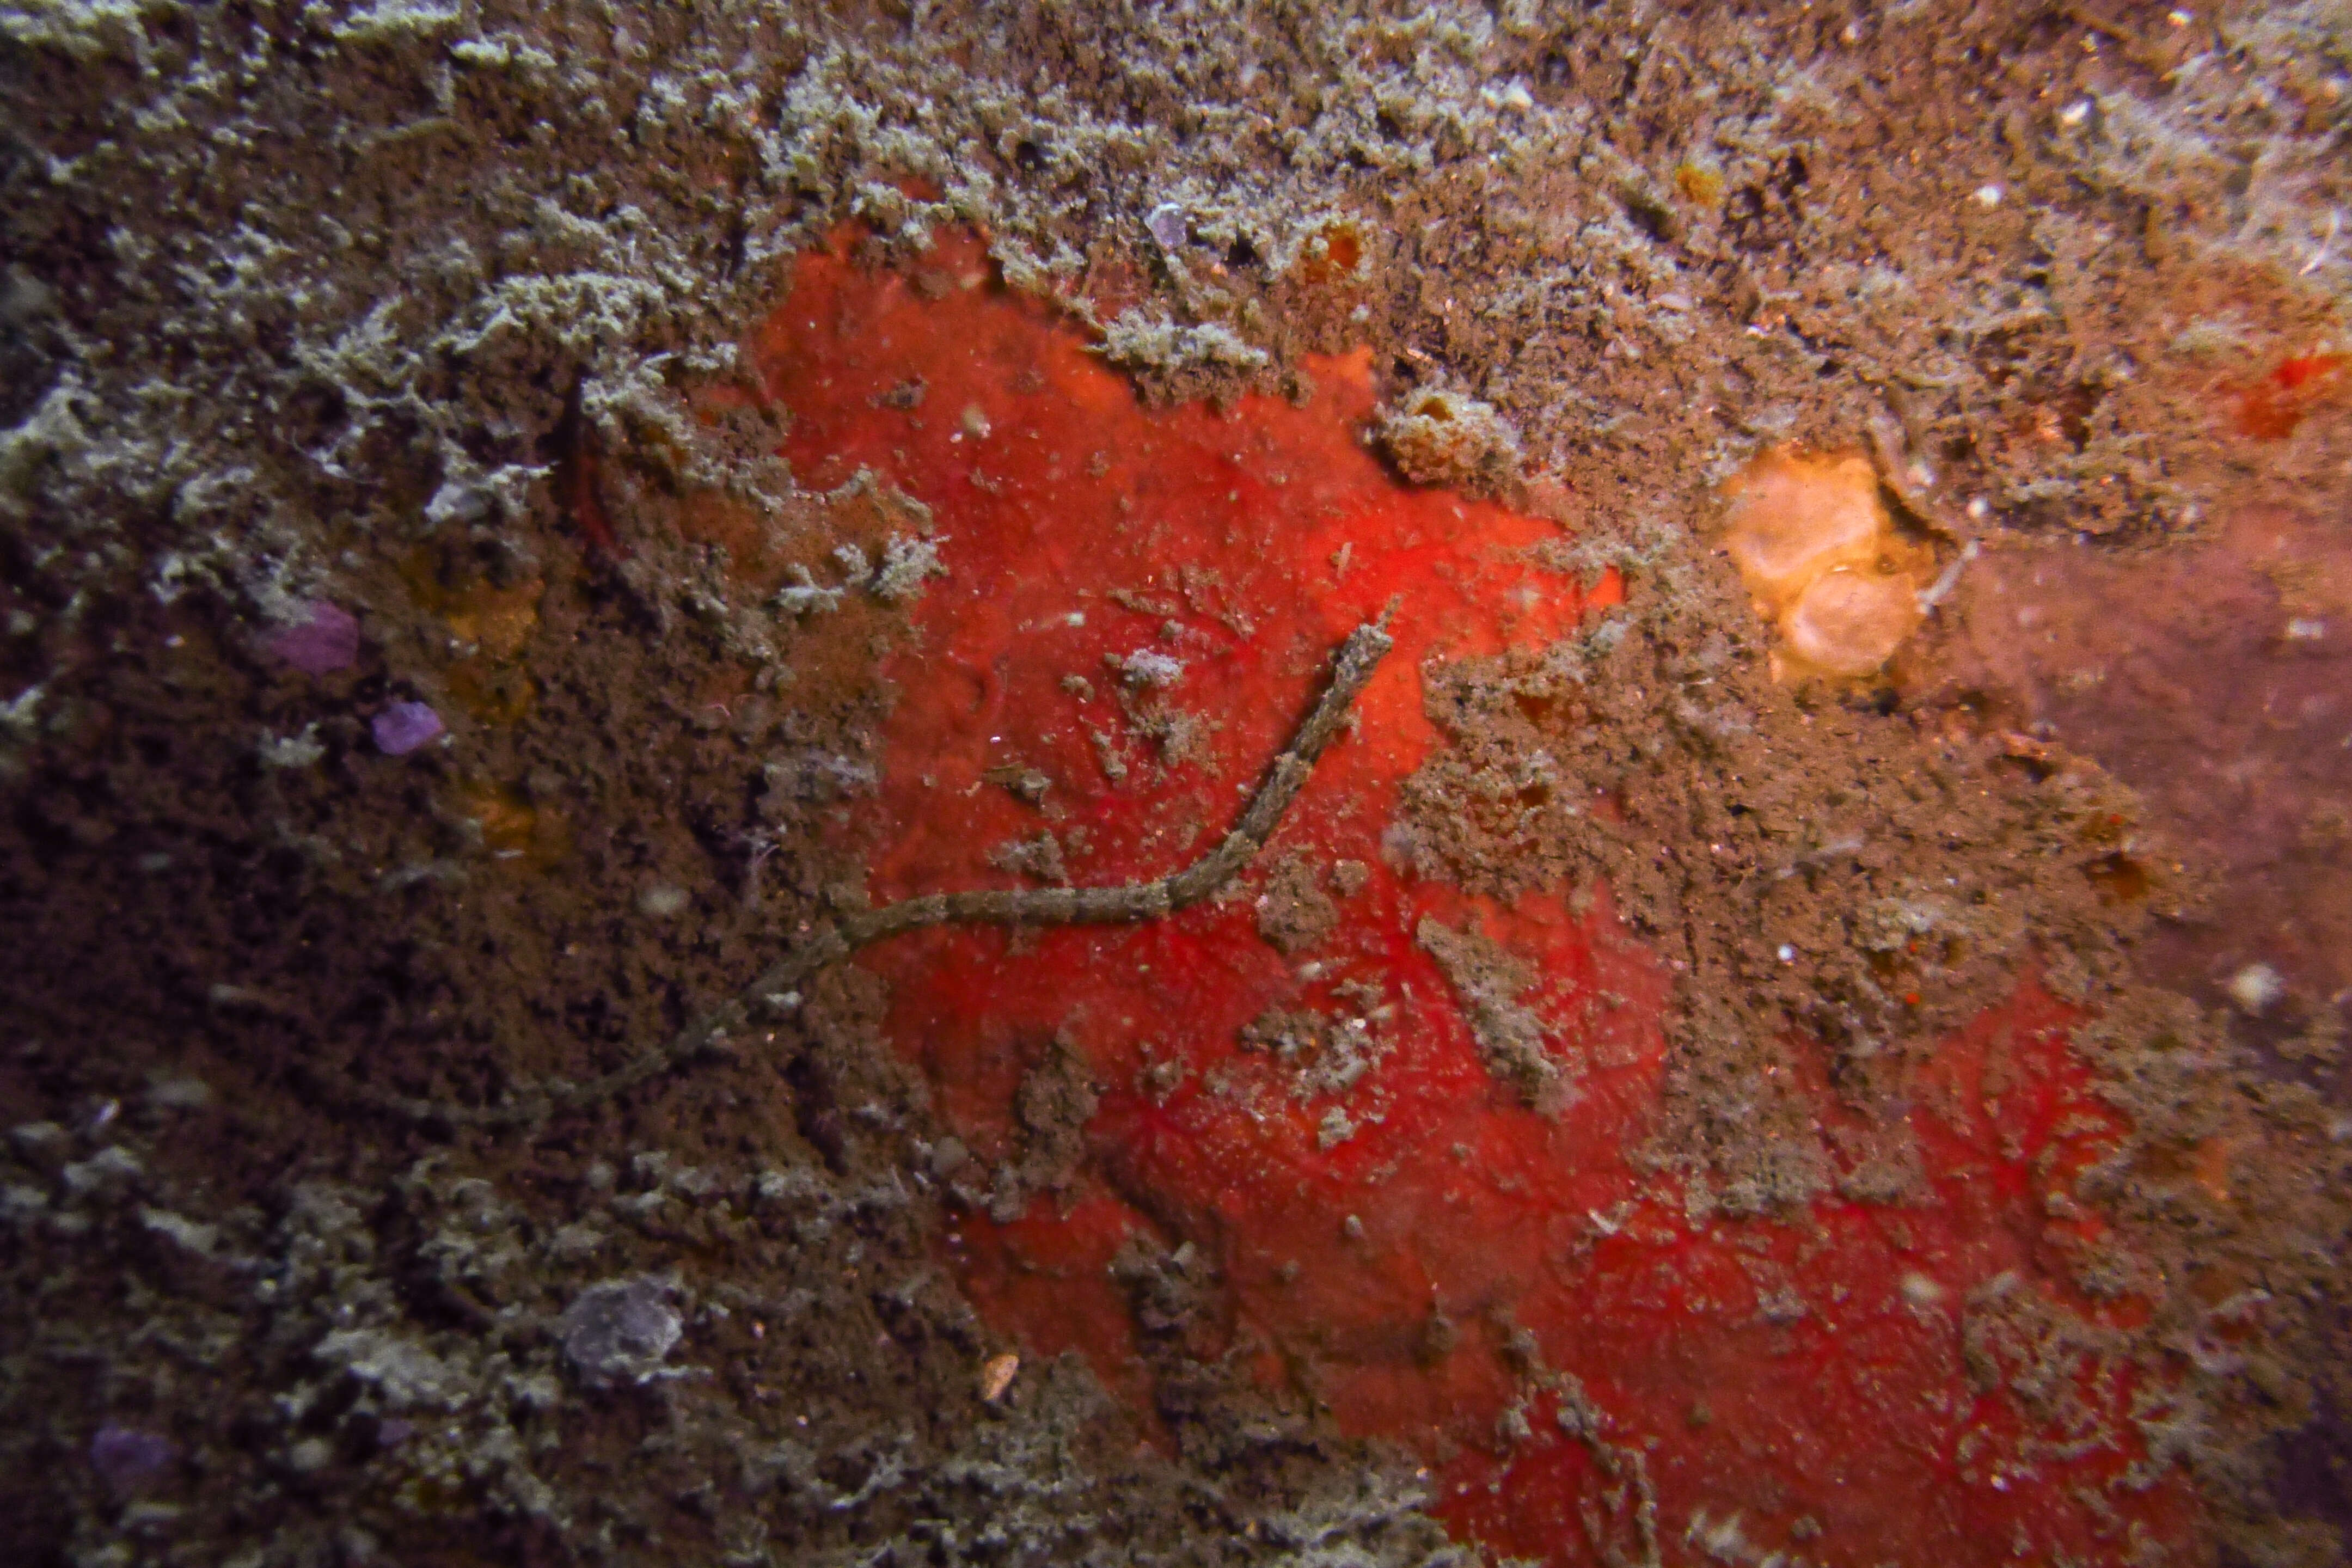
{"x": 1699, "y": 183}
{"x": 1333, "y": 253}
{"x": 512, "y": 829}
{"x": 2271, "y": 408}
{"x": 496, "y": 623}
{"x": 2213, "y": 1167}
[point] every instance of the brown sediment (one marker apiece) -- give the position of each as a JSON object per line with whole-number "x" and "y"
{"x": 774, "y": 993}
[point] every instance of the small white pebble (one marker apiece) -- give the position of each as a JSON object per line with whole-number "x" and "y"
{"x": 1167, "y": 225}
{"x": 2179, "y": 18}
{"x": 1146, "y": 669}
{"x": 1788, "y": 953}
{"x": 178, "y": 1091}
{"x": 291, "y": 751}
{"x": 2256, "y": 988}
{"x": 1980, "y": 508}
{"x": 1987, "y": 195}
{"x": 2302, "y": 630}
{"x": 661, "y": 900}
{"x": 2075, "y": 113}
{"x": 1920, "y": 1290}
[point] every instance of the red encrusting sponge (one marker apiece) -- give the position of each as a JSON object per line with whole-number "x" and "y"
{"x": 1384, "y": 1137}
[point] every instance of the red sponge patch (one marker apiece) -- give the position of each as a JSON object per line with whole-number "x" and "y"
{"x": 1375, "y": 1137}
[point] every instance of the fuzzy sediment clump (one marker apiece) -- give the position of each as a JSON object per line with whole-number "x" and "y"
{"x": 1445, "y": 440}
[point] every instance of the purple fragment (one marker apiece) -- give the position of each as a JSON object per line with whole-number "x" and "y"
{"x": 404, "y": 726}
{"x": 327, "y": 642}
{"x": 620, "y": 1329}
{"x": 1167, "y": 226}
{"x": 125, "y": 1457}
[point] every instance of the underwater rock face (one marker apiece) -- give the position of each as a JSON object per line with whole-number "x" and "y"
{"x": 2217, "y": 679}
{"x": 1380, "y": 1143}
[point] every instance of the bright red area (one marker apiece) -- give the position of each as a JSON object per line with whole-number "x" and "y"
{"x": 2271, "y": 408}
{"x": 1416, "y": 1249}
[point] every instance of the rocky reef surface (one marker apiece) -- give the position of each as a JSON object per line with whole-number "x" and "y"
{"x": 520, "y": 519}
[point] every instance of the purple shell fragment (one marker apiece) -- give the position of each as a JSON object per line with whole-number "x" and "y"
{"x": 327, "y": 642}
{"x": 620, "y": 1331}
{"x": 404, "y": 726}
{"x": 1167, "y": 226}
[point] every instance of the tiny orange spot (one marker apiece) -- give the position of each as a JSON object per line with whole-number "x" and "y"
{"x": 497, "y": 620}
{"x": 1333, "y": 253}
{"x": 512, "y": 829}
{"x": 490, "y": 681}
{"x": 2210, "y": 1167}
{"x": 1699, "y": 183}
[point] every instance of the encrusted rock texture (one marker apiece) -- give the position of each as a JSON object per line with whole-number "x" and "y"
{"x": 515, "y": 517}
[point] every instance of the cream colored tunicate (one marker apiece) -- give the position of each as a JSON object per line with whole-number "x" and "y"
{"x": 1849, "y": 622}
{"x": 1822, "y": 562}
